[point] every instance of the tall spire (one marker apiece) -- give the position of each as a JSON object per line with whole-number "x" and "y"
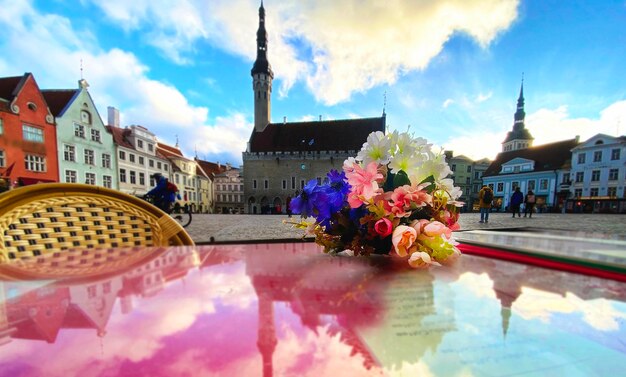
{"x": 520, "y": 115}
{"x": 518, "y": 137}
{"x": 262, "y": 65}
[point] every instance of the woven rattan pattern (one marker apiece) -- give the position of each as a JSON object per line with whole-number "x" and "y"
{"x": 52, "y": 224}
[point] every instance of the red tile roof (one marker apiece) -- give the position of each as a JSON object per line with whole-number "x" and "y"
{"x": 119, "y": 136}
{"x": 9, "y": 87}
{"x": 547, "y": 157}
{"x": 332, "y": 135}
{"x": 211, "y": 168}
{"x": 169, "y": 151}
{"x": 58, "y": 99}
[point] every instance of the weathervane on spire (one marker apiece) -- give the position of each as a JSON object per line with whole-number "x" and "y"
{"x": 176, "y": 140}
{"x": 82, "y": 82}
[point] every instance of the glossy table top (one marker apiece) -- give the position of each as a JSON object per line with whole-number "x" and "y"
{"x": 289, "y": 310}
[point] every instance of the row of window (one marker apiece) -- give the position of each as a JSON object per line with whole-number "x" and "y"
{"x": 131, "y": 177}
{"x": 79, "y": 131}
{"x": 530, "y": 185}
{"x": 595, "y": 176}
{"x": 229, "y": 198}
{"x": 468, "y": 168}
{"x": 141, "y": 160}
{"x": 31, "y": 162}
{"x": 71, "y": 176}
{"x": 230, "y": 187}
{"x": 286, "y": 186}
{"x": 140, "y": 145}
{"x": 595, "y": 191}
{"x": 69, "y": 154}
{"x": 597, "y": 156}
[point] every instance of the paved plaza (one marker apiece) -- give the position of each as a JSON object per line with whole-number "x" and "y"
{"x": 264, "y": 227}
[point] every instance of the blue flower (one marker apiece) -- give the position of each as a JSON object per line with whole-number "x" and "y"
{"x": 311, "y": 202}
{"x": 336, "y": 190}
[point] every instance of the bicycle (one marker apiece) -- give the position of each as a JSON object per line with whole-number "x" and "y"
{"x": 181, "y": 214}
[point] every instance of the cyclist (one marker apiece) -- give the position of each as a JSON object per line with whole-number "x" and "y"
{"x": 164, "y": 193}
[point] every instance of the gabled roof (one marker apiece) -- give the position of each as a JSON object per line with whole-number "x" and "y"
{"x": 331, "y": 135}
{"x": 169, "y": 151}
{"x": 9, "y": 86}
{"x": 547, "y": 157}
{"x": 210, "y": 168}
{"x": 120, "y": 136}
{"x": 58, "y": 99}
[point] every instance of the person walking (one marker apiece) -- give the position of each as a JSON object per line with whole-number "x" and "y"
{"x": 529, "y": 203}
{"x": 485, "y": 198}
{"x": 516, "y": 201}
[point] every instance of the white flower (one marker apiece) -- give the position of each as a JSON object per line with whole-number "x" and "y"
{"x": 376, "y": 149}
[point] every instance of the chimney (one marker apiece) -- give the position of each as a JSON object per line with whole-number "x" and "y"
{"x": 113, "y": 116}
{"x": 320, "y": 118}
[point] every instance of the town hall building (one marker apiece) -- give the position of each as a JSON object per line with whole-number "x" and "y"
{"x": 281, "y": 157}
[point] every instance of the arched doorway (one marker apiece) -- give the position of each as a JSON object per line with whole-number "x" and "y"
{"x": 265, "y": 205}
{"x": 252, "y": 208}
{"x": 278, "y": 205}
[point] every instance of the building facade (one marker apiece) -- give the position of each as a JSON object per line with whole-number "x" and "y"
{"x": 184, "y": 175}
{"x": 137, "y": 157}
{"x": 229, "y": 191}
{"x": 281, "y": 157}
{"x": 28, "y": 142}
{"x": 597, "y": 181}
{"x": 86, "y": 150}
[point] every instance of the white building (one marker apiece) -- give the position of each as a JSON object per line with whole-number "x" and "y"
{"x": 598, "y": 175}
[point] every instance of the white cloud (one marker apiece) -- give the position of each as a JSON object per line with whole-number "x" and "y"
{"x": 447, "y": 103}
{"x": 336, "y": 47}
{"x": 546, "y": 125}
{"x": 483, "y": 97}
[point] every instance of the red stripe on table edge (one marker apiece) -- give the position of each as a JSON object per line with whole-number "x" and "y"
{"x": 536, "y": 261}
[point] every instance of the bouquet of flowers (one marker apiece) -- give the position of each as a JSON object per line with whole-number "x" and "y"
{"x": 393, "y": 198}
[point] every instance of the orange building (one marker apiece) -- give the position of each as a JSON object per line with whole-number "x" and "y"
{"x": 28, "y": 146}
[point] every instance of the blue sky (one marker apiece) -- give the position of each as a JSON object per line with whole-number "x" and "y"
{"x": 450, "y": 69}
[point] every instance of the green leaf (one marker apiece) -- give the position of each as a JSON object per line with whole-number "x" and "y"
{"x": 400, "y": 179}
{"x": 431, "y": 181}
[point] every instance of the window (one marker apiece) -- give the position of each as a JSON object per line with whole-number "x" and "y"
{"x": 593, "y": 192}
{"x": 142, "y": 179}
{"x": 254, "y": 183}
{"x": 467, "y": 180}
{"x": 106, "y": 287}
{"x": 70, "y": 176}
{"x": 580, "y": 176}
{"x": 35, "y": 163}
{"x": 106, "y": 160}
{"x": 469, "y": 169}
{"x": 133, "y": 177}
{"x": 302, "y": 184}
{"x": 230, "y": 187}
{"x": 140, "y": 144}
{"x": 91, "y": 291}
{"x": 85, "y": 116}
{"x": 165, "y": 167}
{"x": 69, "y": 153}
{"x": 151, "y": 163}
{"x": 453, "y": 167}
{"x": 122, "y": 155}
{"x": 266, "y": 184}
{"x": 566, "y": 178}
{"x": 79, "y": 130}
{"x": 150, "y": 147}
{"x": 177, "y": 178}
{"x": 500, "y": 187}
{"x": 90, "y": 178}
{"x": 89, "y": 157}
{"x": 597, "y": 156}
{"x": 123, "y": 175}
{"x": 476, "y": 175}
{"x": 141, "y": 160}
{"x": 611, "y": 191}
{"x": 581, "y": 158}
{"x": 159, "y": 165}
{"x": 578, "y": 193}
{"x": 514, "y": 184}
{"x": 613, "y": 174}
{"x": 293, "y": 183}
{"x": 2, "y": 159}
{"x": 131, "y": 158}
{"x": 95, "y": 135}
{"x": 543, "y": 184}
{"x": 107, "y": 181}
{"x": 531, "y": 184}
{"x": 614, "y": 152}
{"x": 1, "y": 126}
{"x": 284, "y": 184}
{"x": 516, "y": 169}
{"x": 33, "y": 134}
{"x": 595, "y": 175}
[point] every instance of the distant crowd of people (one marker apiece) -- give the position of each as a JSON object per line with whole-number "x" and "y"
{"x": 485, "y": 198}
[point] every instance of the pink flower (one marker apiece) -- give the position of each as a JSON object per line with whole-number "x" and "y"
{"x": 435, "y": 228}
{"x": 421, "y": 259}
{"x": 364, "y": 183}
{"x": 402, "y": 239}
{"x": 383, "y": 227}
